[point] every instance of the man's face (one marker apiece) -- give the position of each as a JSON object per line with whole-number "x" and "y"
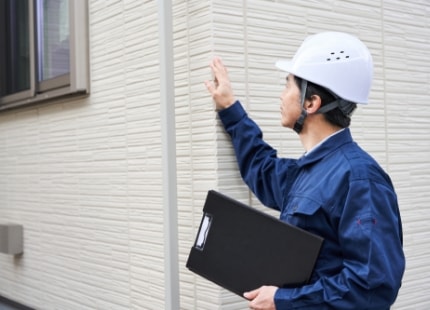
{"x": 290, "y": 103}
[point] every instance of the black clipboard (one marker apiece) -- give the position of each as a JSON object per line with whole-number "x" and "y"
{"x": 241, "y": 248}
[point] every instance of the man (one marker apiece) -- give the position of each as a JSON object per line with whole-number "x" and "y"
{"x": 336, "y": 190}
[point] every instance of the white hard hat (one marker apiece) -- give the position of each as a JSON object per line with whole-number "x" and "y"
{"x": 337, "y": 61}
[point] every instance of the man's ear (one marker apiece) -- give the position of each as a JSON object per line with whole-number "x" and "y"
{"x": 313, "y": 105}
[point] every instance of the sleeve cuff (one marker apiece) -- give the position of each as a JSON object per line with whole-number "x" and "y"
{"x": 232, "y": 114}
{"x": 282, "y": 299}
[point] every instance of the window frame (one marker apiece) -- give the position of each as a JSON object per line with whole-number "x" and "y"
{"x": 76, "y": 82}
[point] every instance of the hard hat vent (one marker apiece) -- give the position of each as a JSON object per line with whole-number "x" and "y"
{"x": 337, "y": 56}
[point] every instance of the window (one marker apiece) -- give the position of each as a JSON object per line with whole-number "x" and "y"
{"x": 43, "y": 50}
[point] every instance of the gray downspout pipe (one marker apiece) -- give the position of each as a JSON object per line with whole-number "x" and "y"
{"x": 168, "y": 136}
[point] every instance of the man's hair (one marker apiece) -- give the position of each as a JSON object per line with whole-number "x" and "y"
{"x": 335, "y": 116}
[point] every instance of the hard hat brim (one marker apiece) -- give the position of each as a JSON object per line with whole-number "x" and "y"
{"x": 285, "y": 65}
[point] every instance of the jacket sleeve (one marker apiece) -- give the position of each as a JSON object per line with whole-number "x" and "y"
{"x": 258, "y": 162}
{"x": 370, "y": 237}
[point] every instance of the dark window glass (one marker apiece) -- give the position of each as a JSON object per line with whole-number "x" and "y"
{"x": 14, "y": 46}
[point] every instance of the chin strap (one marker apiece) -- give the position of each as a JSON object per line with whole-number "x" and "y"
{"x": 347, "y": 107}
{"x": 298, "y": 126}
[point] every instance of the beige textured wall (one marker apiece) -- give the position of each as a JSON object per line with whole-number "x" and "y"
{"x": 85, "y": 177}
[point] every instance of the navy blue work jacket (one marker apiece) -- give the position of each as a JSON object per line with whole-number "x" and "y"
{"x": 339, "y": 192}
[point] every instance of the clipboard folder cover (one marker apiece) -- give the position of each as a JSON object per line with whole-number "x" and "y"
{"x": 241, "y": 248}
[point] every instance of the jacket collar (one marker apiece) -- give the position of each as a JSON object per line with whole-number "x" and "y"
{"x": 326, "y": 147}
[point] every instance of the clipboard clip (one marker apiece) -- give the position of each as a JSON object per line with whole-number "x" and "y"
{"x": 203, "y": 231}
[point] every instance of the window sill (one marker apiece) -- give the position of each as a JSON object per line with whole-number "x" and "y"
{"x": 57, "y": 95}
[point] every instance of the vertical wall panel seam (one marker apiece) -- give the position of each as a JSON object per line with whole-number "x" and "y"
{"x": 190, "y": 140}
{"x": 246, "y": 66}
{"x": 215, "y": 124}
{"x": 384, "y": 89}
{"x": 130, "y": 299}
{"x": 245, "y": 43}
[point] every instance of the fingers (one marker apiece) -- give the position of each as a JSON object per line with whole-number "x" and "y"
{"x": 251, "y": 294}
{"x": 218, "y": 69}
{"x": 220, "y": 74}
{"x": 262, "y": 298}
{"x": 210, "y": 86}
{"x": 220, "y": 88}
